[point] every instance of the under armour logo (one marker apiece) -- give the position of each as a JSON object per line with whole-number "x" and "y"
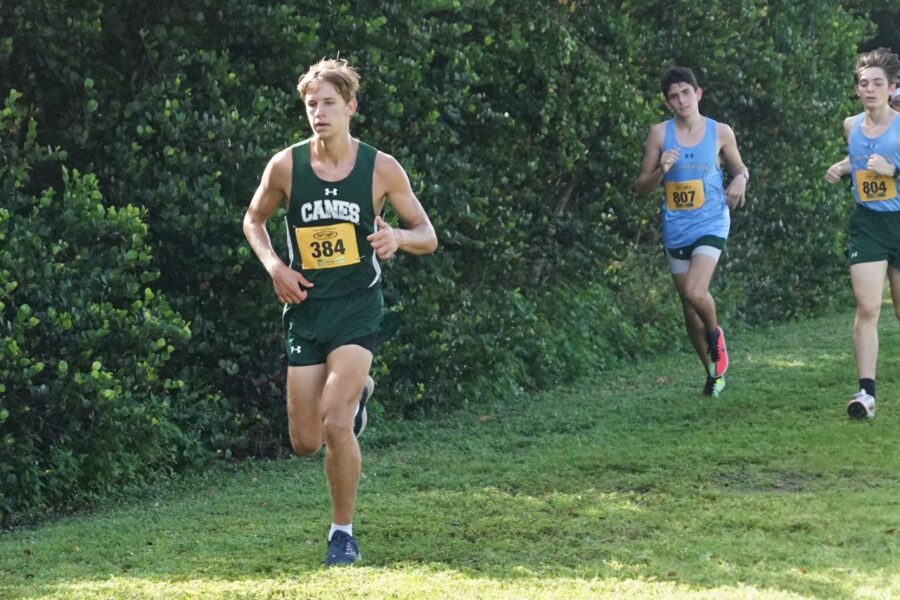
{"x": 689, "y": 155}
{"x": 296, "y": 349}
{"x": 853, "y": 254}
{"x": 331, "y": 191}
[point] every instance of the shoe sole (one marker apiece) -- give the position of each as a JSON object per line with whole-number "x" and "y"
{"x": 712, "y": 366}
{"x": 362, "y": 415}
{"x": 359, "y": 424}
{"x": 857, "y": 410}
{"x": 717, "y": 391}
{"x": 344, "y": 563}
{"x": 711, "y": 391}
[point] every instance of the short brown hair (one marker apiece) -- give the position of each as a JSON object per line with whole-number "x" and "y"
{"x": 882, "y": 57}
{"x": 335, "y": 71}
{"x": 677, "y": 75}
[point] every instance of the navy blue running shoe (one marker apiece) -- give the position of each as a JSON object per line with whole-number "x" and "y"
{"x": 342, "y": 549}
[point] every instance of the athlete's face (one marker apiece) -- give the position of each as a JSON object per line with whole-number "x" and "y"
{"x": 873, "y": 87}
{"x": 683, "y": 100}
{"x": 328, "y": 113}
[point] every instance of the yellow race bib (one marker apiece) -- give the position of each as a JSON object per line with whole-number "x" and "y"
{"x": 872, "y": 187}
{"x": 684, "y": 195}
{"x": 328, "y": 246}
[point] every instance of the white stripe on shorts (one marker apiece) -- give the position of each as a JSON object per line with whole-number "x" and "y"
{"x": 679, "y": 266}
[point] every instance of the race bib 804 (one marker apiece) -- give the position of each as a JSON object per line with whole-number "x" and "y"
{"x": 871, "y": 187}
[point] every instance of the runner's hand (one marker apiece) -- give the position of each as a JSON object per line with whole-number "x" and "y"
{"x": 289, "y": 284}
{"x": 668, "y": 159}
{"x": 880, "y": 165}
{"x": 836, "y": 171}
{"x": 736, "y": 192}
{"x": 385, "y": 240}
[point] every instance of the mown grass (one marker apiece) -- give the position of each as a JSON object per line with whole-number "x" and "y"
{"x": 625, "y": 485}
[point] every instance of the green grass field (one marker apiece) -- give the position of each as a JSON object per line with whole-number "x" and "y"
{"x": 627, "y": 484}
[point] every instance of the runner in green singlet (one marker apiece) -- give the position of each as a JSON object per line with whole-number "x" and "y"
{"x": 334, "y": 188}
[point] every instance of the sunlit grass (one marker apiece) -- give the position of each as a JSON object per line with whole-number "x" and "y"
{"x": 624, "y": 485}
{"x": 409, "y": 583}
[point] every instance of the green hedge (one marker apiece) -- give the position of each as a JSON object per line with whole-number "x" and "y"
{"x": 86, "y": 403}
{"x": 521, "y": 125}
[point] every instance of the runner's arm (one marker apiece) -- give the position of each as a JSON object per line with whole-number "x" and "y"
{"x": 289, "y": 284}
{"x": 842, "y": 167}
{"x": 736, "y": 191}
{"x": 655, "y": 163}
{"x": 418, "y": 235}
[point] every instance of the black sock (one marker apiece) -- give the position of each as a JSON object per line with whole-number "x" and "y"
{"x": 868, "y": 385}
{"x": 712, "y": 336}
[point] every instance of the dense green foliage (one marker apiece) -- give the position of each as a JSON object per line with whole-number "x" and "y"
{"x": 86, "y": 401}
{"x": 521, "y": 126}
{"x": 886, "y": 15}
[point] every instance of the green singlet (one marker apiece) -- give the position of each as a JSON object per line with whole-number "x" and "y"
{"x": 327, "y": 225}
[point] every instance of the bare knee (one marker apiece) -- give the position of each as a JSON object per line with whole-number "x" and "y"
{"x": 305, "y": 447}
{"x": 696, "y": 296}
{"x": 336, "y": 428}
{"x": 868, "y": 311}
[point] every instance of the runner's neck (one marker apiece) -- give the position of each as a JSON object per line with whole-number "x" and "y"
{"x": 332, "y": 152}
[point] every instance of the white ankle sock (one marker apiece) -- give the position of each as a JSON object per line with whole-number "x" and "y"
{"x": 348, "y": 529}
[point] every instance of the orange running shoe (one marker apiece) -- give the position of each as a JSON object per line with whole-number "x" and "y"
{"x": 718, "y": 355}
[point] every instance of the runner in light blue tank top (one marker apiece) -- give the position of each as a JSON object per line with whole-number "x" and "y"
{"x": 871, "y": 190}
{"x": 682, "y": 155}
{"x": 691, "y": 211}
{"x": 873, "y": 163}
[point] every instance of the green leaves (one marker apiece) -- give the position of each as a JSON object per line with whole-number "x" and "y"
{"x": 83, "y": 349}
{"x": 521, "y": 127}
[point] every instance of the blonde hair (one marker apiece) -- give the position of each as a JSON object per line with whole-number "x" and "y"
{"x": 335, "y": 71}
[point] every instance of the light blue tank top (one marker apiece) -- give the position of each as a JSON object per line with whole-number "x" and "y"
{"x": 693, "y": 203}
{"x": 876, "y": 193}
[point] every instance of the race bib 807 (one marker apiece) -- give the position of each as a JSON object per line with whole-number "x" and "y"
{"x": 684, "y": 195}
